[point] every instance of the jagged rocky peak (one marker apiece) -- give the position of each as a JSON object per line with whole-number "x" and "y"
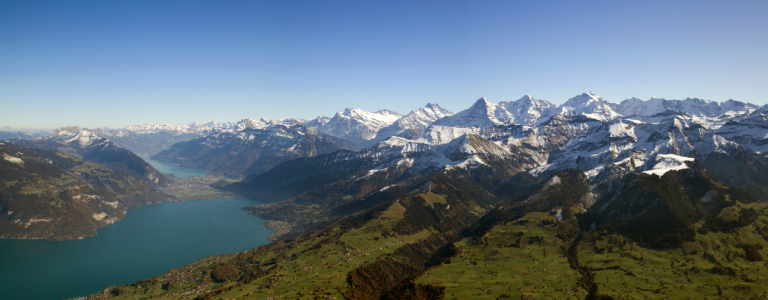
{"x": 425, "y": 115}
{"x": 527, "y": 110}
{"x": 639, "y": 107}
{"x": 383, "y": 116}
{"x": 694, "y": 106}
{"x": 483, "y": 105}
{"x": 317, "y": 122}
{"x": 357, "y": 124}
{"x": 64, "y": 131}
{"x": 267, "y": 124}
{"x": 590, "y": 105}
{"x": 194, "y": 127}
{"x": 584, "y": 99}
{"x": 483, "y": 113}
{"x": 83, "y": 136}
{"x": 526, "y": 98}
{"x": 252, "y": 124}
{"x": 414, "y": 123}
{"x": 433, "y": 106}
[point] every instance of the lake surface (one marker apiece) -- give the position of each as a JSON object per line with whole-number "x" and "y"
{"x": 166, "y": 168}
{"x": 149, "y": 241}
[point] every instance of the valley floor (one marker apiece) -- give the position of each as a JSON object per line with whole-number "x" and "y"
{"x": 198, "y": 188}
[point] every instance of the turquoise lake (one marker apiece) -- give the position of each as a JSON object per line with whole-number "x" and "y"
{"x": 148, "y": 242}
{"x": 180, "y": 172}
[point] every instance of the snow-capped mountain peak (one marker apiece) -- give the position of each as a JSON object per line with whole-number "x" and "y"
{"x": 484, "y": 106}
{"x": 317, "y": 122}
{"x": 526, "y": 98}
{"x": 84, "y": 137}
{"x": 584, "y": 100}
{"x": 482, "y": 113}
{"x": 252, "y": 124}
{"x": 431, "y": 106}
{"x": 590, "y": 105}
{"x": 637, "y": 107}
{"x": 527, "y": 110}
{"x": 194, "y": 127}
{"x": 414, "y": 122}
{"x": 357, "y": 124}
{"x": 64, "y": 132}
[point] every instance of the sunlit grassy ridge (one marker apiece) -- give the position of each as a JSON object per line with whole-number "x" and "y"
{"x": 510, "y": 260}
{"x": 434, "y": 245}
{"x": 316, "y": 264}
{"x": 716, "y": 264}
{"x": 526, "y": 258}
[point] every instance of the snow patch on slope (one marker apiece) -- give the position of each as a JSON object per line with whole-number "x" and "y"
{"x": 668, "y": 162}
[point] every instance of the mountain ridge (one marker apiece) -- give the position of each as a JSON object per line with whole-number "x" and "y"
{"x": 556, "y": 207}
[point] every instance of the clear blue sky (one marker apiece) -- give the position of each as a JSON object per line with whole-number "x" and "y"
{"x": 114, "y": 63}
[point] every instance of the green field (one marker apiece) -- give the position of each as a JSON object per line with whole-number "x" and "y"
{"x": 524, "y": 258}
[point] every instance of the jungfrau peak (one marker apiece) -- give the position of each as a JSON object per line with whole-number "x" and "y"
{"x": 590, "y": 105}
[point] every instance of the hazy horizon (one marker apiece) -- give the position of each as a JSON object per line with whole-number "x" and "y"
{"x": 469, "y": 103}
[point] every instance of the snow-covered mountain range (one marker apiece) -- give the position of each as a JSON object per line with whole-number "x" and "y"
{"x": 194, "y": 127}
{"x": 684, "y": 158}
{"x": 603, "y": 140}
{"x": 648, "y": 168}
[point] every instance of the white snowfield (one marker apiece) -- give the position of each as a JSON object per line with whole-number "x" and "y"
{"x": 13, "y": 159}
{"x": 668, "y": 162}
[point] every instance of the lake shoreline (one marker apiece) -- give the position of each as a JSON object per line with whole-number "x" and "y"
{"x": 193, "y": 222}
{"x": 151, "y": 240}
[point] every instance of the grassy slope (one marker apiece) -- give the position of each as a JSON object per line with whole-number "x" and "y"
{"x": 410, "y": 248}
{"x": 38, "y": 199}
{"x": 516, "y": 259}
{"x": 314, "y": 264}
{"x": 714, "y": 264}
{"x": 509, "y": 260}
